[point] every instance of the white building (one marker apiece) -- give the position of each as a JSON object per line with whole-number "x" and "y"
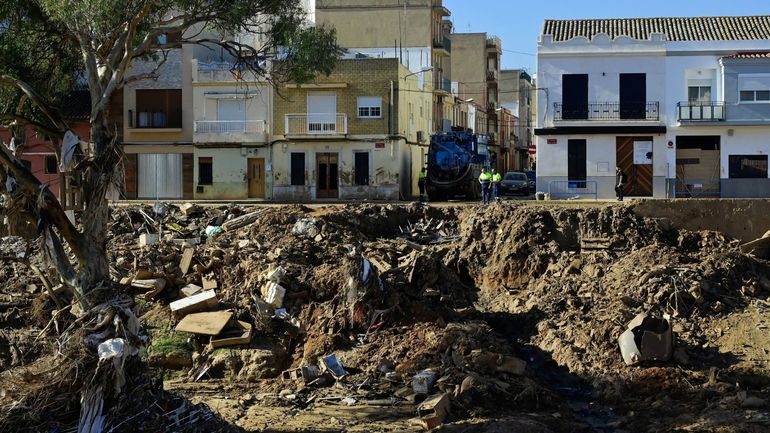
{"x": 682, "y": 105}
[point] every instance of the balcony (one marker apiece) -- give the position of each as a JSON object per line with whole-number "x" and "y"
{"x": 443, "y": 45}
{"x": 711, "y": 111}
{"x": 229, "y": 131}
{"x": 221, "y": 72}
{"x": 491, "y": 76}
{"x": 316, "y": 124}
{"x": 607, "y": 111}
{"x": 442, "y": 86}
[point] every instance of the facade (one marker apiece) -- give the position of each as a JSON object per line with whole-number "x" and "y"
{"x": 38, "y": 152}
{"x": 682, "y": 105}
{"x": 415, "y": 32}
{"x": 352, "y": 135}
{"x": 517, "y": 94}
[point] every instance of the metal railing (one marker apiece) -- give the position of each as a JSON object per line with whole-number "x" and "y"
{"x": 712, "y": 111}
{"x": 573, "y": 188}
{"x": 225, "y": 126}
{"x": 444, "y": 43}
{"x": 316, "y": 124}
{"x": 607, "y": 111}
{"x": 155, "y": 119}
{"x": 695, "y": 188}
{"x": 491, "y": 75}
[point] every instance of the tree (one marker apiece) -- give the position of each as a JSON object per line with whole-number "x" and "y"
{"x": 49, "y": 47}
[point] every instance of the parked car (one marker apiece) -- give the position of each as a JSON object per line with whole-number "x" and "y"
{"x": 514, "y": 183}
{"x": 532, "y": 180}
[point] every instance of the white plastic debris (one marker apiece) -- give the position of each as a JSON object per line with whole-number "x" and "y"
{"x": 276, "y": 275}
{"x": 305, "y": 226}
{"x": 273, "y": 294}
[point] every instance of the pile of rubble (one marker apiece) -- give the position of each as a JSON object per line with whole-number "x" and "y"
{"x": 452, "y": 315}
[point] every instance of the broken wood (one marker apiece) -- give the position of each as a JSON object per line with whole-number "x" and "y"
{"x": 242, "y": 221}
{"x": 187, "y": 256}
{"x": 194, "y": 304}
{"x": 211, "y": 323}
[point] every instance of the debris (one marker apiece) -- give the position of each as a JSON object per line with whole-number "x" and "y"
{"x": 331, "y": 364}
{"x": 423, "y": 382}
{"x": 212, "y": 231}
{"x": 276, "y": 275}
{"x": 760, "y": 247}
{"x": 647, "y": 339}
{"x": 154, "y": 286}
{"x": 236, "y": 332}
{"x": 433, "y": 411}
{"x": 147, "y": 239}
{"x": 242, "y": 221}
{"x": 306, "y": 227}
{"x": 273, "y": 294}
{"x": 306, "y": 373}
{"x": 209, "y": 283}
{"x": 512, "y": 365}
{"x": 187, "y": 256}
{"x": 196, "y": 303}
{"x": 211, "y": 323}
{"x": 191, "y": 209}
{"x": 189, "y": 290}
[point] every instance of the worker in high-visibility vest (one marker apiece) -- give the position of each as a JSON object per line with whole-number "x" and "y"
{"x": 421, "y": 182}
{"x": 497, "y": 178}
{"x": 485, "y": 179}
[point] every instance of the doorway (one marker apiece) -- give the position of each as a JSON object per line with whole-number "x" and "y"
{"x": 634, "y": 157}
{"x": 633, "y": 96}
{"x": 577, "y": 169}
{"x": 574, "y": 96}
{"x": 327, "y": 183}
{"x": 256, "y": 177}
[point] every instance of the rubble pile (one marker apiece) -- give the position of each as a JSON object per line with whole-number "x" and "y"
{"x": 452, "y": 315}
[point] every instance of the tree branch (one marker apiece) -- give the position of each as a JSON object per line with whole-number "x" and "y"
{"x": 36, "y": 99}
{"x": 33, "y": 124}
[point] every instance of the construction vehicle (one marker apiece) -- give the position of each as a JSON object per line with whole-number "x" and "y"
{"x": 455, "y": 160}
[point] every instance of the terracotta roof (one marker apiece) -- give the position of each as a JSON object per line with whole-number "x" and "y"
{"x": 676, "y": 29}
{"x": 760, "y": 55}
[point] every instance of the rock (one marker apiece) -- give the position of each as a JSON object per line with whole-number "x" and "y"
{"x": 512, "y": 365}
{"x": 575, "y": 266}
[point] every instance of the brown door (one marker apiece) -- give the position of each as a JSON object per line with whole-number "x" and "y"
{"x": 634, "y": 157}
{"x": 256, "y": 177}
{"x": 327, "y": 182}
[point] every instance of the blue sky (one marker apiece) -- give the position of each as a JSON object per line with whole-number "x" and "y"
{"x": 518, "y": 23}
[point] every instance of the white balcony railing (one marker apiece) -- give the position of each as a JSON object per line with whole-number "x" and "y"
{"x": 316, "y": 124}
{"x": 230, "y": 126}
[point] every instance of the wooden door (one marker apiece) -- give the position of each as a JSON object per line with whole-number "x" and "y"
{"x": 256, "y": 177}
{"x": 633, "y": 96}
{"x": 638, "y": 170}
{"x": 327, "y": 179}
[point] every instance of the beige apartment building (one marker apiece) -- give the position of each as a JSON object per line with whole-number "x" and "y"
{"x": 414, "y": 32}
{"x": 355, "y": 134}
{"x": 517, "y": 94}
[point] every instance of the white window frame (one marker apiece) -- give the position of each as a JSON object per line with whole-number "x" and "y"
{"x": 755, "y": 100}
{"x": 369, "y": 103}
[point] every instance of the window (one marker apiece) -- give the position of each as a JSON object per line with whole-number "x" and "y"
{"x": 369, "y": 107}
{"x": 50, "y": 164}
{"x": 699, "y": 94}
{"x": 297, "y": 169}
{"x": 205, "y": 171}
{"x": 361, "y": 160}
{"x": 748, "y": 166}
{"x": 755, "y": 95}
{"x": 159, "y": 108}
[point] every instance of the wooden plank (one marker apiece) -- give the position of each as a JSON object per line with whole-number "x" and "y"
{"x": 187, "y": 257}
{"x": 209, "y": 283}
{"x": 205, "y": 323}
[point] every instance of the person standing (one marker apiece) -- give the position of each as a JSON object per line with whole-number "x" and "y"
{"x": 497, "y": 178}
{"x": 421, "y": 182}
{"x": 620, "y": 182}
{"x": 485, "y": 179}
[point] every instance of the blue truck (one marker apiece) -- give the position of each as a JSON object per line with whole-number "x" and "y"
{"x": 455, "y": 160}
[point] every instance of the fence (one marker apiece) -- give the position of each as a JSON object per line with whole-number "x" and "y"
{"x": 694, "y": 188}
{"x": 573, "y": 188}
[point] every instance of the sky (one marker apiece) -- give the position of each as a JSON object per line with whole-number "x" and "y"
{"x": 519, "y": 23}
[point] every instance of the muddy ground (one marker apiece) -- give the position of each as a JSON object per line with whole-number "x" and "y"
{"x": 516, "y": 308}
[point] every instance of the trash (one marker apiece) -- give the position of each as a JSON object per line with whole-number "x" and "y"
{"x": 348, "y": 401}
{"x": 242, "y": 221}
{"x": 189, "y": 290}
{"x": 211, "y": 323}
{"x": 196, "y": 303}
{"x": 209, "y": 283}
{"x": 187, "y": 256}
{"x": 147, "y": 239}
{"x": 647, "y": 339}
{"x": 332, "y": 365}
{"x": 423, "y": 382}
{"x": 433, "y": 411}
{"x": 212, "y": 231}
{"x": 276, "y": 275}
{"x": 759, "y": 248}
{"x": 235, "y": 333}
{"x": 306, "y": 227}
{"x": 153, "y": 286}
{"x": 306, "y": 373}
{"x": 191, "y": 209}
{"x": 273, "y": 294}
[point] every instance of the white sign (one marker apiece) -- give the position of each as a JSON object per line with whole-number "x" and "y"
{"x": 642, "y": 152}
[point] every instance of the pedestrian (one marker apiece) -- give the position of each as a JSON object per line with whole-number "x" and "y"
{"x": 421, "y": 182}
{"x": 620, "y": 182}
{"x": 497, "y": 178}
{"x": 485, "y": 179}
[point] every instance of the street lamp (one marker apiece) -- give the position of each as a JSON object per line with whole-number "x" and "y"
{"x": 419, "y": 72}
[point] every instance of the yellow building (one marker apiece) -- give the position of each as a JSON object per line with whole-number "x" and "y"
{"x": 356, "y": 134}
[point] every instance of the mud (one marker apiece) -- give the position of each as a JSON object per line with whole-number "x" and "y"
{"x": 551, "y": 286}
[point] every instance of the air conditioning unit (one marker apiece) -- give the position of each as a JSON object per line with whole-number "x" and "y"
{"x": 421, "y": 136}
{"x": 199, "y": 189}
